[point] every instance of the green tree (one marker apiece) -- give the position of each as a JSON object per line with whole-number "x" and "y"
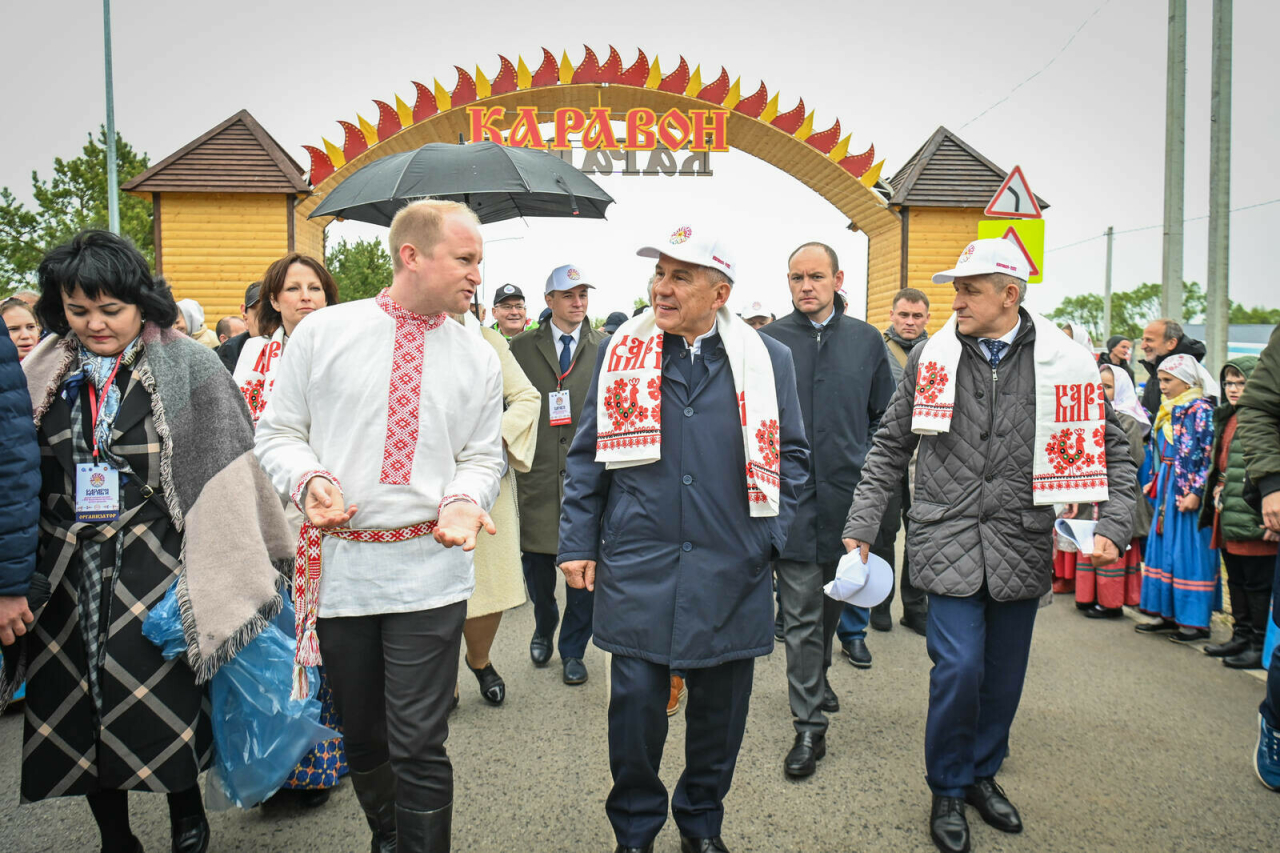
{"x": 1131, "y": 310}
{"x": 361, "y": 269}
{"x": 640, "y": 303}
{"x": 73, "y": 199}
{"x": 1264, "y": 316}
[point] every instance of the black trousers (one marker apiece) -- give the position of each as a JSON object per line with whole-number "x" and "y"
{"x": 1249, "y": 586}
{"x": 392, "y": 676}
{"x": 540, "y": 576}
{"x": 715, "y": 720}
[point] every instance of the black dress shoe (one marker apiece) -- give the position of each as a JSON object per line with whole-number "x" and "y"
{"x": 916, "y": 622}
{"x": 1250, "y": 658}
{"x": 702, "y": 845}
{"x": 778, "y": 633}
{"x": 492, "y": 688}
{"x": 540, "y": 650}
{"x": 575, "y": 671}
{"x": 856, "y": 651}
{"x": 1237, "y": 644}
{"x": 831, "y": 702}
{"x": 948, "y": 826}
{"x": 881, "y": 619}
{"x": 1189, "y": 635}
{"x": 1157, "y": 627}
{"x": 648, "y": 848}
{"x": 803, "y": 758}
{"x": 190, "y": 834}
{"x": 988, "y": 798}
{"x": 1097, "y": 611}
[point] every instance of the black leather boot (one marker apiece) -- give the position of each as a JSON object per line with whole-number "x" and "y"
{"x": 376, "y": 792}
{"x": 1238, "y": 643}
{"x": 424, "y": 832}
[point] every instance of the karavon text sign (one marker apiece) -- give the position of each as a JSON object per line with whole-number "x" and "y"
{"x": 699, "y": 130}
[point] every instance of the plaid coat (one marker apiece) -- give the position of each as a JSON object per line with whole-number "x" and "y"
{"x": 153, "y": 731}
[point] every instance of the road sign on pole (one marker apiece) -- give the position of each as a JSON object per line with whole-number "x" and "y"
{"x": 1026, "y": 234}
{"x": 1015, "y": 199}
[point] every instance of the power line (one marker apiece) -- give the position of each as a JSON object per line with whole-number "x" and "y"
{"x": 1152, "y": 227}
{"x": 1041, "y": 71}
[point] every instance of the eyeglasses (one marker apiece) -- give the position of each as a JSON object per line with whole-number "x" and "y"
{"x": 1232, "y": 383}
{"x": 511, "y": 306}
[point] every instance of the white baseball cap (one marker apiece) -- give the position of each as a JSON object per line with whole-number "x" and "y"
{"x": 982, "y": 257}
{"x": 694, "y": 245}
{"x": 566, "y": 277}
{"x": 755, "y": 309}
{"x": 861, "y": 584}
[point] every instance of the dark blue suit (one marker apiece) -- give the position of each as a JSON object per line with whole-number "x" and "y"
{"x": 682, "y": 581}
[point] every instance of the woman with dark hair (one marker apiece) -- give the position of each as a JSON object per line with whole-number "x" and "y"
{"x": 20, "y": 320}
{"x": 293, "y": 287}
{"x": 137, "y": 494}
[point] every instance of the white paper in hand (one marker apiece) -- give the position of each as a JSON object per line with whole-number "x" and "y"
{"x": 861, "y": 584}
{"x": 1078, "y": 532}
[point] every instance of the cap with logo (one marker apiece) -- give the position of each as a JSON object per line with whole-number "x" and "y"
{"x": 566, "y": 277}
{"x": 983, "y": 257}
{"x": 755, "y": 309}
{"x": 694, "y": 246}
{"x": 507, "y": 291}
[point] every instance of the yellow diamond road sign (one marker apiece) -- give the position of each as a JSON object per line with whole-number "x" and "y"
{"x": 1026, "y": 234}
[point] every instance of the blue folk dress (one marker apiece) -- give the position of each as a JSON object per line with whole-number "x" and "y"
{"x": 1180, "y": 580}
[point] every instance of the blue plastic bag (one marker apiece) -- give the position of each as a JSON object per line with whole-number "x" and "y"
{"x": 259, "y": 733}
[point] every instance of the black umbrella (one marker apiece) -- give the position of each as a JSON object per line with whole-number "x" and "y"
{"x": 496, "y": 181}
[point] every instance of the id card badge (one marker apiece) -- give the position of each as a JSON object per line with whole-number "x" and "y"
{"x": 97, "y": 493}
{"x": 559, "y": 408}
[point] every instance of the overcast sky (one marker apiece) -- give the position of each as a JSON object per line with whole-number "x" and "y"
{"x": 1088, "y": 131}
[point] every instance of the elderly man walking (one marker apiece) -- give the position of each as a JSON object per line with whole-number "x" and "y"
{"x": 1010, "y": 418}
{"x": 682, "y": 485}
{"x": 559, "y": 358}
{"x": 844, "y": 384}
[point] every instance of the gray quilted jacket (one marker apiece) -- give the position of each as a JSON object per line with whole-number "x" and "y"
{"x": 972, "y": 516}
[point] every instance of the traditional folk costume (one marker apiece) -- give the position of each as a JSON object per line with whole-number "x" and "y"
{"x": 323, "y": 767}
{"x": 403, "y": 413}
{"x": 1181, "y": 581}
{"x": 1119, "y": 584}
{"x": 105, "y": 712}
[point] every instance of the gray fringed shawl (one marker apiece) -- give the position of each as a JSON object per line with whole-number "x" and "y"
{"x": 237, "y": 550}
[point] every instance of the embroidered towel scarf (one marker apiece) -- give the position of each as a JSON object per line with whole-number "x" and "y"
{"x": 629, "y": 402}
{"x": 1070, "y": 463}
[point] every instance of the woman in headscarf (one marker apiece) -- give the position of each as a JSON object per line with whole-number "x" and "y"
{"x": 292, "y": 288}
{"x": 138, "y": 492}
{"x": 191, "y": 320}
{"x": 1248, "y": 548}
{"x": 1103, "y": 591}
{"x": 1180, "y": 583}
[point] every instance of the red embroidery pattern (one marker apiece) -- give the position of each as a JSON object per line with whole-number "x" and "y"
{"x": 306, "y": 582}
{"x": 1073, "y": 466}
{"x": 655, "y": 388}
{"x": 254, "y": 397}
{"x": 622, "y": 403}
{"x": 930, "y": 382}
{"x": 1066, "y": 451}
{"x": 299, "y": 491}
{"x": 767, "y": 440}
{"x": 405, "y": 391}
{"x": 1100, "y": 436}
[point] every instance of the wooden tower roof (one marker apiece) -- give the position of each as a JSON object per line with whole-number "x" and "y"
{"x": 236, "y": 156}
{"x": 947, "y": 172}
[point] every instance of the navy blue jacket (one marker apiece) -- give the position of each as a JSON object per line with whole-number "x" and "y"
{"x": 19, "y": 476}
{"x": 844, "y": 384}
{"x": 682, "y": 569}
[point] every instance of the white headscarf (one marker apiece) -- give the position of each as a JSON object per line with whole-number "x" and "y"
{"x": 1126, "y": 399}
{"x": 1080, "y": 336}
{"x": 1192, "y": 372}
{"x": 193, "y": 313}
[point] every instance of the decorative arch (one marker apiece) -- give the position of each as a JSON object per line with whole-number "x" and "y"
{"x": 755, "y": 126}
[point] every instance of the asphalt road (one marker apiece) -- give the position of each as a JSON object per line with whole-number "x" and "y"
{"x": 1123, "y": 742}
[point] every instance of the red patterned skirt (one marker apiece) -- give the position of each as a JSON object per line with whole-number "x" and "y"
{"x": 1111, "y": 586}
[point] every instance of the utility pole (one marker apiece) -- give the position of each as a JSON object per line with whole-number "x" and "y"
{"x": 1106, "y": 288}
{"x": 1218, "y": 287}
{"x": 1175, "y": 138}
{"x": 113, "y": 179}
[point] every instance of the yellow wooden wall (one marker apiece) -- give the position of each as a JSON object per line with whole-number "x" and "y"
{"x": 935, "y": 238}
{"x": 884, "y": 273}
{"x": 308, "y": 236}
{"x": 214, "y": 245}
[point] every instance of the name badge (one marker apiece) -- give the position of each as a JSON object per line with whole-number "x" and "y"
{"x": 559, "y": 401}
{"x": 97, "y": 493}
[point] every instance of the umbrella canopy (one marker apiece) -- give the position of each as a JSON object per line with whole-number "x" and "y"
{"x": 496, "y": 181}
